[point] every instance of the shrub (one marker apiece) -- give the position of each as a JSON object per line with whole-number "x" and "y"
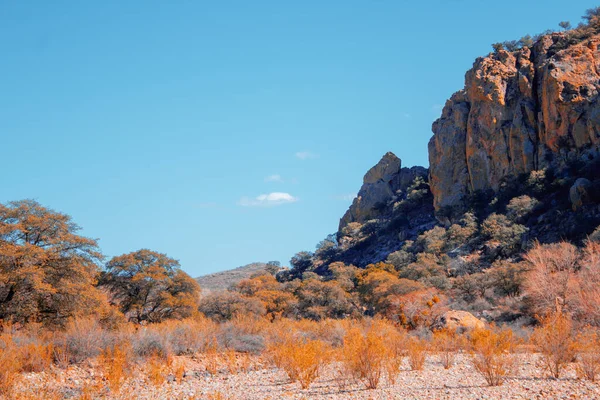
{"x": 551, "y": 283}
{"x": 36, "y": 356}
{"x": 11, "y": 365}
{"x": 364, "y": 356}
{"x": 189, "y": 336}
{"x": 507, "y": 279}
{"x": 319, "y": 300}
{"x": 157, "y": 369}
{"x": 588, "y": 358}
{"x": 150, "y": 343}
{"x": 565, "y": 25}
{"x": 553, "y": 339}
{"x": 595, "y": 236}
{"x": 521, "y": 206}
{"x": 224, "y": 306}
{"x": 433, "y": 241}
{"x": 400, "y": 259}
{"x": 179, "y": 371}
{"x": 301, "y": 262}
{"x": 115, "y": 362}
{"x": 83, "y": 339}
{"x": 416, "y": 353}
{"x": 491, "y": 354}
{"x": 211, "y": 357}
{"x": 236, "y": 337}
{"x": 500, "y": 229}
{"x": 425, "y": 267}
{"x": 302, "y": 360}
{"x": 472, "y": 286}
{"x": 447, "y": 343}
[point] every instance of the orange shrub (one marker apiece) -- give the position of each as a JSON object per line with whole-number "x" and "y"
{"x": 447, "y": 343}
{"x": 115, "y": 363}
{"x": 364, "y": 356}
{"x": 211, "y": 354}
{"x": 179, "y": 371}
{"x": 416, "y": 352}
{"x": 553, "y": 338}
{"x": 157, "y": 369}
{"x": 10, "y": 364}
{"x": 302, "y": 360}
{"x": 588, "y": 359}
{"x": 492, "y": 356}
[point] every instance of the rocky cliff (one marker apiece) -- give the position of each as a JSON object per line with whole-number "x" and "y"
{"x": 519, "y": 111}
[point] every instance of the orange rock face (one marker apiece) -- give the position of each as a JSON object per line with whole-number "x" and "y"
{"x": 518, "y": 112}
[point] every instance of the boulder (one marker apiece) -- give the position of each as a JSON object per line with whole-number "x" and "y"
{"x": 579, "y": 194}
{"x": 459, "y": 321}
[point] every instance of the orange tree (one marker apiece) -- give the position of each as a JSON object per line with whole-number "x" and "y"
{"x": 149, "y": 286}
{"x": 47, "y": 271}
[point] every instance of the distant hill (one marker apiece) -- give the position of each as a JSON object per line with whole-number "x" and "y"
{"x": 223, "y": 280}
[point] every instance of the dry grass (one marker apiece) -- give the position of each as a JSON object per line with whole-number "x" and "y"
{"x": 179, "y": 370}
{"x": 157, "y": 369}
{"x": 90, "y": 391}
{"x": 211, "y": 354}
{"x": 116, "y": 366}
{"x": 36, "y": 357}
{"x": 492, "y": 356}
{"x": 231, "y": 363}
{"x": 10, "y": 364}
{"x": 370, "y": 352}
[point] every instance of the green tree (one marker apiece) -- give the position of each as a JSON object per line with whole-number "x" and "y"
{"x": 565, "y": 25}
{"x": 301, "y": 262}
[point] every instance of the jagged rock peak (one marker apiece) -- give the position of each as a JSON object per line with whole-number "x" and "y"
{"x": 384, "y": 170}
{"x": 519, "y": 111}
{"x": 381, "y": 185}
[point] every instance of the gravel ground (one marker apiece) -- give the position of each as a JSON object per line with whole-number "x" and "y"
{"x": 433, "y": 382}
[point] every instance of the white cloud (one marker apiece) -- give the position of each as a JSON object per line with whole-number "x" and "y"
{"x": 305, "y": 155}
{"x": 268, "y": 200}
{"x": 274, "y": 178}
{"x": 406, "y": 115}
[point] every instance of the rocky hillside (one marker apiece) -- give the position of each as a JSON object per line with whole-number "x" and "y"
{"x": 520, "y": 111}
{"x": 220, "y": 281}
{"x": 524, "y": 129}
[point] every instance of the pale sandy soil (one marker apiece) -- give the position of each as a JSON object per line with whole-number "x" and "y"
{"x": 434, "y": 382}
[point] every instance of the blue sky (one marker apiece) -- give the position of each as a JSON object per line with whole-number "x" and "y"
{"x": 223, "y": 133}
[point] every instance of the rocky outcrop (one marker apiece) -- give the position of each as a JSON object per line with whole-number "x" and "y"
{"x": 519, "y": 111}
{"x": 381, "y": 185}
{"x": 579, "y": 193}
{"x": 459, "y": 321}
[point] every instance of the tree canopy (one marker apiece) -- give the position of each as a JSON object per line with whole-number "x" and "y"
{"x": 47, "y": 271}
{"x": 149, "y": 286}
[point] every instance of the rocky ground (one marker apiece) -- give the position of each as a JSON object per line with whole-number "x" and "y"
{"x": 262, "y": 382}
